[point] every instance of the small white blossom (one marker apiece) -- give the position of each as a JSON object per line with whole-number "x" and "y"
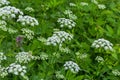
{"x": 81, "y": 56}
{"x": 4, "y": 2}
{"x": 66, "y": 23}
{"x": 2, "y": 57}
{"x": 94, "y": 1}
{"x": 59, "y": 75}
{"x": 29, "y": 34}
{"x": 43, "y": 56}
{"x": 64, "y": 50}
{"x": 9, "y": 12}
{"x": 102, "y": 43}
{"x": 3, "y": 25}
{"x": 99, "y": 59}
{"x": 17, "y": 69}
{"x": 58, "y": 38}
{"x": 101, "y": 6}
{"x": 42, "y": 39}
{"x": 29, "y": 9}
{"x": 84, "y": 4}
{"x": 72, "y": 4}
{"x": 116, "y": 72}
{"x": 3, "y": 72}
{"x": 24, "y": 57}
{"x": 70, "y": 14}
{"x": 28, "y": 20}
{"x": 12, "y": 31}
{"x": 72, "y": 66}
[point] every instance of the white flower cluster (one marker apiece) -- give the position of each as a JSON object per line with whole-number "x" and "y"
{"x": 27, "y": 20}
{"x": 28, "y": 33}
{"x": 72, "y": 66}
{"x": 24, "y": 57}
{"x": 99, "y": 59}
{"x": 58, "y": 38}
{"x": 59, "y": 75}
{"x": 94, "y": 1}
{"x": 17, "y": 69}
{"x": 29, "y": 9}
{"x": 2, "y": 56}
{"x": 64, "y": 50}
{"x": 72, "y": 4}
{"x": 3, "y": 71}
{"x": 43, "y": 56}
{"x": 41, "y": 39}
{"x": 101, "y": 6}
{"x": 9, "y": 12}
{"x": 102, "y": 43}
{"x": 12, "y": 31}
{"x": 4, "y": 2}
{"x": 70, "y": 14}
{"x": 81, "y": 56}
{"x": 116, "y": 72}
{"x": 84, "y": 4}
{"x": 66, "y": 23}
{"x": 3, "y": 25}
{"x": 4, "y": 28}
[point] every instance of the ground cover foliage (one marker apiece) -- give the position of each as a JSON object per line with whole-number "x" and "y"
{"x": 59, "y": 39}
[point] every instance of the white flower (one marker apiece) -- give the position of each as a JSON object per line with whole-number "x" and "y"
{"x": 3, "y": 72}
{"x": 24, "y": 57}
{"x": 66, "y": 23}
{"x": 43, "y": 56}
{"x": 4, "y": 2}
{"x": 42, "y": 39}
{"x": 28, "y": 20}
{"x": 59, "y": 75}
{"x": 3, "y": 25}
{"x": 94, "y": 1}
{"x": 9, "y": 12}
{"x": 2, "y": 57}
{"x": 12, "y": 31}
{"x": 64, "y": 50}
{"x": 116, "y": 72}
{"x": 58, "y": 38}
{"x": 29, "y": 9}
{"x": 101, "y": 6}
{"x": 72, "y": 66}
{"x": 84, "y": 4}
{"x": 102, "y": 43}
{"x": 72, "y": 4}
{"x": 71, "y": 16}
{"x": 99, "y": 59}
{"x": 16, "y": 69}
{"x": 29, "y": 34}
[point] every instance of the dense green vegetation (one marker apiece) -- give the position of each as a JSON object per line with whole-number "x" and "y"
{"x": 60, "y": 40}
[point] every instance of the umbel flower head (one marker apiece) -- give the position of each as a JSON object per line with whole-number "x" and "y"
{"x": 9, "y": 12}
{"x": 3, "y": 25}
{"x": 27, "y": 20}
{"x": 2, "y": 56}
{"x": 72, "y": 66}
{"x": 102, "y": 43}
{"x": 66, "y": 23}
{"x": 3, "y": 72}
{"x": 4, "y": 2}
{"x": 29, "y": 9}
{"x": 17, "y": 69}
{"x": 70, "y": 14}
{"x": 24, "y": 57}
{"x": 29, "y": 34}
{"x": 58, "y": 38}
